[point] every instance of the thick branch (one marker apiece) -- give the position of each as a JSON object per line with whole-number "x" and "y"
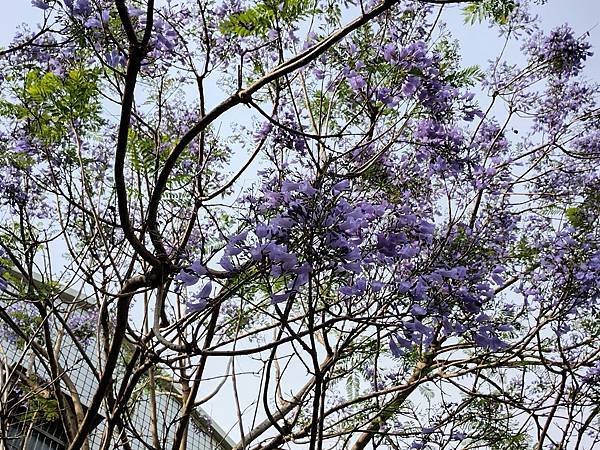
{"x": 392, "y": 406}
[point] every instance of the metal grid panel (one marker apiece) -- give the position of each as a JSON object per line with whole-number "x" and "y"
{"x": 35, "y": 438}
{"x": 168, "y": 408}
{"x": 78, "y": 370}
{"x": 168, "y": 405}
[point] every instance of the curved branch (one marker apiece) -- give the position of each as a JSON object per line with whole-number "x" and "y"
{"x": 242, "y": 97}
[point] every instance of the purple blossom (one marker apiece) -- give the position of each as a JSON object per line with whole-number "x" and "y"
{"x": 410, "y": 86}
{"x": 115, "y": 59}
{"x": 289, "y": 186}
{"x": 3, "y": 282}
{"x": 205, "y": 291}
{"x": 196, "y": 305}
{"x": 263, "y": 131}
{"x": 187, "y": 278}
{"x": 456, "y": 273}
{"x": 311, "y": 38}
{"x": 262, "y": 230}
{"x": 279, "y": 298}
{"x": 238, "y": 238}
{"x": 485, "y": 337}
{"x": 226, "y": 264}
{"x": 166, "y": 39}
{"x": 93, "y": 22}
{"x": 377, "y": 286}
{"x": 356, "y": 81}
{"x": 306, "y": 188}
{"x": 592, "y": 375}
{"x": 198, "y": 268}
{"x": 389, "y": 51}
{"x": 417, "y": 328}
{"x": 352, "y": 49}
{"x": 82, "y": 7}
{"x": 41, "y": 4}
{"x": 135, "y": 12}
{"x": 418, "y": 310}
{"x": 458, "y": 436}
{"x": 397, "y": 352}
{"x": 560, "y": 50}
{"x": 341, "y": 186}
{"x": 200, "y": 300}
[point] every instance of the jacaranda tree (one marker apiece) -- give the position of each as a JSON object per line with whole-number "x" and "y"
{"x": 308, "y": 214}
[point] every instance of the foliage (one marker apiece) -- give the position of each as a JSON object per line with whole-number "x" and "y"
{"x": 497, "y": 10}
{"x": 264, "y": 16}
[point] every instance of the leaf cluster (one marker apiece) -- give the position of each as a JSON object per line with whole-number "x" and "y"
{"x": 51, "y": 105}
{"x": 498, "y": 11}
{"x": 259, "y": 19}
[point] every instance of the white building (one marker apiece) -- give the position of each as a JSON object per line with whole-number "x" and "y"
{"x": 28, "y": 418}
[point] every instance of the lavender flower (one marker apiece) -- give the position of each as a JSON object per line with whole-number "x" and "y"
{"x": 41, "y": 4}
{"x": 560, "y": 51}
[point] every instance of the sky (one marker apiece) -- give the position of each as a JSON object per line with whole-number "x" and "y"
{"x": 583, "y": 15}
{"x": 478, "y": 43}
{"x": 13, "y": 13}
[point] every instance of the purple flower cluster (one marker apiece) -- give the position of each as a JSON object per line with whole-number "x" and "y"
{"x": 98, "y": 21}
{"x": 164, "y": 37}
{"x": 18, "y": 191}
{"x": 115, "y": 58}
{"x": 352, "y": 240}
{"x": 79, "y": 8}
{"x": 48, "y": 54}
{"x": 413, "y": 73}
{"x": 279, "y": 137}
{"x": 25, "y": 315}
{"x": 41, "y": 4}
{"x": 423, "y": 80}
{"x": 439, "y": 145}
{"x": 83, "y": 324}
{"x": 589, "y": 143}
{"x": 560, "y": 52}
{"x": 592, "y": 375}
{"x": 569, "y": 262}
{"x": 563, "y": 100}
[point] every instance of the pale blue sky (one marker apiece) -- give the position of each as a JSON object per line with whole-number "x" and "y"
{"x": 14, "y": 12}
{"x": 478, "y": 42}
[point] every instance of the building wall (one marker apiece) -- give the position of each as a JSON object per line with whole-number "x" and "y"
{"x": 44, "y": 436}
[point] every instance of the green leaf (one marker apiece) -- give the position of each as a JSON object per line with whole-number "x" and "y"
{"x": 141, "y": 151}
{"x": 576, "y": 217}
{"x": 39, "y": 87}
{"x": 257, "y": 20}
{"x": 466, "y": 77}
{"x": 524, "y": 251}
{"x": 499, "y": 11}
